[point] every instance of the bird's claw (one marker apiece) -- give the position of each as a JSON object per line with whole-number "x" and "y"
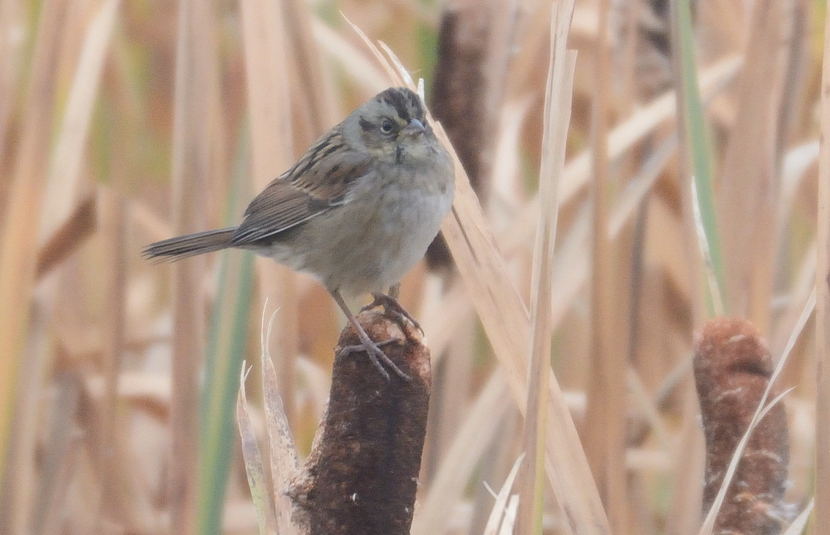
{"x": 377, "y": 356}
{"x": 392, "y": 307}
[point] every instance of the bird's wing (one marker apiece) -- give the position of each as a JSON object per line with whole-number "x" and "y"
{"x": 319, "y": 181}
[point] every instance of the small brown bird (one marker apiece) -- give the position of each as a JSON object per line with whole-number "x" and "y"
{"x": 356, "y": 211}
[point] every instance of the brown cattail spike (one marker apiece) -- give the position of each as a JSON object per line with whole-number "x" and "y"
{"x": 732, "y": 368}
{"x": 362, "y": 474}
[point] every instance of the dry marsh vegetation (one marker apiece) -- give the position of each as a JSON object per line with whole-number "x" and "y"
{"x": 603, "y": 220}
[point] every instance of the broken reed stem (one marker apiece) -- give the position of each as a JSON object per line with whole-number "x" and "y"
{"x": 732, "y": 368}
{"x": 362, "y": 473}
{"x": 822, "y": 365}
{"x": 66, "y": 239}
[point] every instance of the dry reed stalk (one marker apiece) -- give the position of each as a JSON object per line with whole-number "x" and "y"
{"x": 450, "y": 322}
{"x": 361, "y": 475}
{"x": 800, "y": 522}
{"x": 17, "y": 508}
{"x": 533, "y": 32}
{"x": 72, "y": 137}
{"x": 802, "y": 288}
{"x": 61, "y": 216}
{"x": 822, "y": 470}
{"x": 750, "y": 183}
{"x": 58, "y": 460}
{"x": 621, "y": 139}
{"x": 725, "y": 25}
{"x": 66, "y": 239}
{"x": 451, "y": 392}
{"x": 313, "y": 88}
{"x": 461, "y": 457}
{"x": 628, "y": 42}
{"x": 10, "y": 17}
{"x": 114, "y": 499}
{"x": 732, "y": 371}
{"x": 269, "y": 109}
{"x": 191, "y": 166}
{"x": 604, "y": 426}
{"x": 649, "y": 408}
{"x": 572, "y": 260}
{"x": 499, "y": 519}
{"x": 505, "y": 168}
{"x": 793, "y": 94}
{"x": 146, "y": 390}
{"x": 65, "y": 177}
{"x": 352, "y": 57}
{"x": 689, "y": 458}
{"x": 556, "y": 124}
{"x": 110, "y": 459}
{"x": 673, "y": 250}
{"x": 636, "y": 192}
{"x": 649, "y": 354}
{"x": 496, "y": 464}
{"x": 18, "y": 260}
{"x": 442, "y": 332}
{"x": 265, "y": 48}
{"x": 648, "y": 57}
{"x": 70, "y": 41}
{"x": 642, "y": 123}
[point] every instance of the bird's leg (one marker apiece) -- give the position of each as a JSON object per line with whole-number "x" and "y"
{"x": 391, "y": 305}
{"x": 376, "y": 355}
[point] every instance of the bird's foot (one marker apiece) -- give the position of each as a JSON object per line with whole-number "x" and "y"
{"x": 377, "y": 356}
{"x": 391, "y": 306}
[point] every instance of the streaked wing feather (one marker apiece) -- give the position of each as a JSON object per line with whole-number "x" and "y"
{"x": 286, "y": 207}
{"x": 319, "y": 181}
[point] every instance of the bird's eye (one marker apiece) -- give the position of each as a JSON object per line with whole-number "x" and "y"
{"x": 387, "y": 126}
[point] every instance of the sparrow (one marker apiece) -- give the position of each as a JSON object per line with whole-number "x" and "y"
{"x": 356, "y": 211}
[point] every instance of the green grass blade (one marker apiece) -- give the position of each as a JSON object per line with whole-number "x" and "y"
{"x": 699, "y": 150}
{"x": 225, "y": 353}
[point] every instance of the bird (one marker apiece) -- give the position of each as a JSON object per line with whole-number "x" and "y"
{"x": 356, "y": 211}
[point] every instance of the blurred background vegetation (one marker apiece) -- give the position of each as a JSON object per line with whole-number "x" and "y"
{"x": 125, "y": 122}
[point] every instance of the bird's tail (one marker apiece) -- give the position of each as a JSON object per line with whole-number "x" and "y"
{"x": 190, "y": 244}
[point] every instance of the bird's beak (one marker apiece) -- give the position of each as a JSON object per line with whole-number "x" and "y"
{"x": 414, "y": 128}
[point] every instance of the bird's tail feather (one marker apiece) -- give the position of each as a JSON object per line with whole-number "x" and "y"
{"x": 190, "y": 244}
